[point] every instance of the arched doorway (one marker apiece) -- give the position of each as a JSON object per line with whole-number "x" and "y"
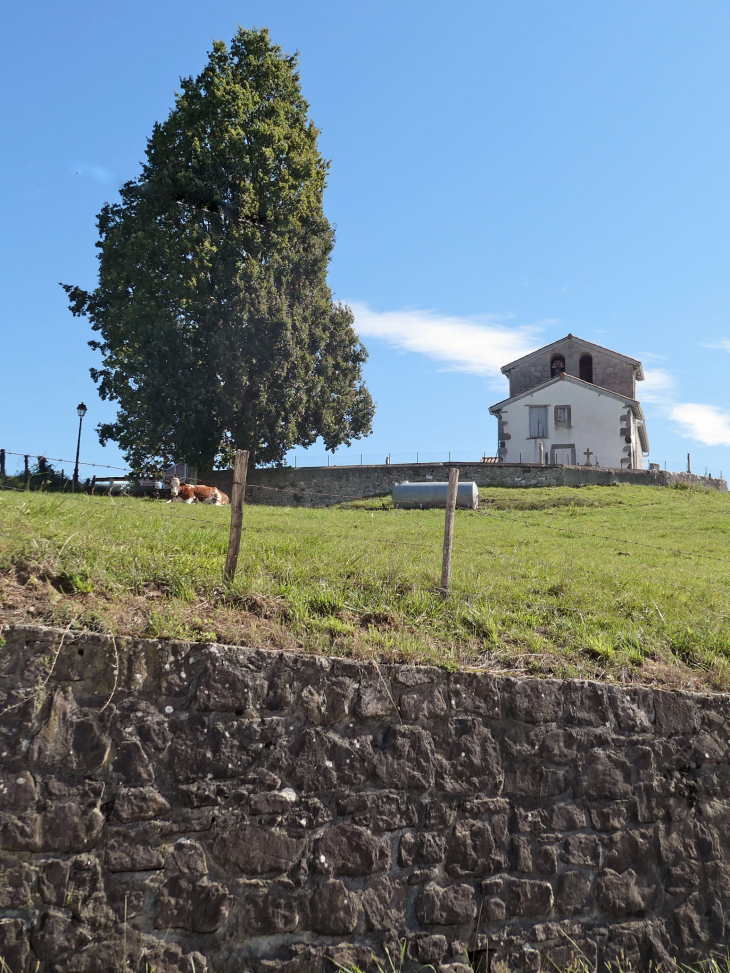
{"x": 585, "y": 368}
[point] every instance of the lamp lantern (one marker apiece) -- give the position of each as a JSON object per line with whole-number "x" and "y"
{"x": 81, "y": 411}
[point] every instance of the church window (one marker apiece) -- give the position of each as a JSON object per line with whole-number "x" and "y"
{"x": 538, "y": 421}
{"x": 585, "y": 368}
{"x": 557, "y": 365}
{"x": 562, "y": 415}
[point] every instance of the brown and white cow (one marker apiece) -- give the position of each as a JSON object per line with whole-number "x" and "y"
{"x": 190, "y": 493}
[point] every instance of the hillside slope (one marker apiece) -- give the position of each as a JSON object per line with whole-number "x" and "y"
{"x": 624, "y": 583}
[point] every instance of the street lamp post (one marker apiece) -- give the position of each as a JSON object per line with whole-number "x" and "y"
{"x": 81, "y": 409}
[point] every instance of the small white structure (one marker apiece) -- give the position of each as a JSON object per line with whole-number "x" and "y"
{"x": 558, "y": 414}
{"x": 435, "y": 494}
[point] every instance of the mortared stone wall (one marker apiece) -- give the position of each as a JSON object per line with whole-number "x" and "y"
{"x": 324, "y": 486}
{"x": 181, "y": 808}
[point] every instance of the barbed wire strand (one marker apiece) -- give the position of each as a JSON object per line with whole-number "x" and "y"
{"x": 522, "y": 523}
{"x": 468, "y": 552}
{"x": 57, "y": 459}
{"x": 462, "y": 552}
{"x": 250, "y": 485}
{"x": 128, "y": 472}
{"x": 604, "y": 537}
{"x": 555, "y": 609}
{"x": 492, "y": 555}
{"x": 609, "y": 537}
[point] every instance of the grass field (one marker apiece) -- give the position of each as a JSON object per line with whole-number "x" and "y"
{"x": 623, "y": 583}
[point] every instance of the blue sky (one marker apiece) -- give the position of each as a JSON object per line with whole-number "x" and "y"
{"x": 502, "y": 174}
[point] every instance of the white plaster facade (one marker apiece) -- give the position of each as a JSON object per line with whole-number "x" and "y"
{"x": 571, "y": 422}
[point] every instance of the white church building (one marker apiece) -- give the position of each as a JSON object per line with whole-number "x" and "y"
{"x": 572, "y": 403}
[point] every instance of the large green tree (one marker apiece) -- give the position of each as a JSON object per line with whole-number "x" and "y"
{"x": 216, "y": 325}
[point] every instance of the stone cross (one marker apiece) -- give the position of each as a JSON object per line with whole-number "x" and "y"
{"x": 588, "y": 455}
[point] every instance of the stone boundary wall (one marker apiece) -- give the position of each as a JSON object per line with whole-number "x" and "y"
{"x": 321, "y": 486}
{"x": 188, "y": 807}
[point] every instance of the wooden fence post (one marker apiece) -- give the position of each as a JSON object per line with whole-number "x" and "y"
{"x": 449, "y": 532}
{"x": 2, "y": 462}
{"x": 238, "y": 495}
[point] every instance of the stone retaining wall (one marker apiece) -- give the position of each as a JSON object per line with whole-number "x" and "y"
{"x": 251, "y": 810}
{"x": 318, "y": 486}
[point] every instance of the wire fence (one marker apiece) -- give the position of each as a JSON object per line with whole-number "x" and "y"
{"x": 348, "y": 458}
{"x": 515, "y": 520}
{"x": 56, "y": 459}
{"x": 409, "y": 457}
{"x": 466, "y": 548}
{"x": 350, "y": 498}
{"x": 298, "y": 461}
{"x": 420, "y": 551}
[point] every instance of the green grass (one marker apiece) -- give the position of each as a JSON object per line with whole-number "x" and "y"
{"x": 624, "y": 583}
{"x": 578, "y": 962}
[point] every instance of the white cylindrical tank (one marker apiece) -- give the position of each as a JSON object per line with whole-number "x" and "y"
{"x": 434, "y": 495}
{"x": 117, "y": 487}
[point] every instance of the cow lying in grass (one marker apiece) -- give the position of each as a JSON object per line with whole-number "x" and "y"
{"x": 190, "y": 493}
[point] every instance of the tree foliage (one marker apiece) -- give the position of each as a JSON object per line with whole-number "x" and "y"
{"x": 216, "y": 325}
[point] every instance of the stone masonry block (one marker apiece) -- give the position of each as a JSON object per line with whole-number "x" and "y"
{"x": 294, "y": 810}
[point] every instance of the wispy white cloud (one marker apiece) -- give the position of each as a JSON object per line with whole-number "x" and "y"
{"x": 659, "y": 386}
{"x": 708, "y": 424}
{"x": 723, "y": 344}
{"x": 482, "y": 345}
{"x": 478, "y": 345}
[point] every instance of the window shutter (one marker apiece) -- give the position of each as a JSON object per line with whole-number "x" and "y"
{"x": 538, "y": 422}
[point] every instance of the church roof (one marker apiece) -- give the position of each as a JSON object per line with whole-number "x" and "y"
{"x": 562, "y": 377}
{"x": 588, "y": 345}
